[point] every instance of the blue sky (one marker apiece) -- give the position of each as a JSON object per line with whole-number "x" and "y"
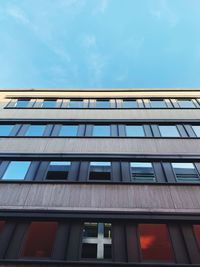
{"x": 99, "y": 43}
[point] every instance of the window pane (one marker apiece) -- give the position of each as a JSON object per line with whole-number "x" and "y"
{"x": 58, "y": 170}
{"x": 196, "y": 229}
{"x": 142, "y": 172}
{"x": 185, "y": 172}
{"x": 35, "y": 130}
{"x": 102, "y": 104}
{"x": 100, "y": 170}
{"x": 169, "y": 131}
{"x": 5, "y": 130}
{"x": 68, "y": 130}
{"x": 16, "y": 170}
{"x": 155, "y": 242}
{"x": 186, "y": 104}
{"x": 136, "y": 130}
{"x": 76, "y": 104}
{"x": 49, "y": 103}
{"x": 2, "y": 224}
{"x": 90, "y": 230}
{"x": 21, "y": 103}
{"x": 196, "y": 129}
{"x": 101, "y": 130}
{"x": 130, "y": 104}
{"x": 158, "y": 104}
{"x": 39, "y": 240}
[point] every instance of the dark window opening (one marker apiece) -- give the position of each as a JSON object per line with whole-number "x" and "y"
{"x": 89, "y": 251}
{"x": 100, "y": 171}
{"x": 58, "y": 170}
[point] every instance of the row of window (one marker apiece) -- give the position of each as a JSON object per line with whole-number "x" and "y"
{"x": 102, "y": 171}
{"x": 100, "y": 130}
{"x": 93, "y": 240}
{"x": 104, "y": 103}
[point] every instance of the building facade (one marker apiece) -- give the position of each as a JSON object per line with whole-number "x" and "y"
{"x": 100, "y": 177}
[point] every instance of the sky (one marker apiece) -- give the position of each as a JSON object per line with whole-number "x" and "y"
{"x": 99, "y": 43}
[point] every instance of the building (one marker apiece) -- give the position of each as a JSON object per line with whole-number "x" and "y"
{"x": 100, "y": 177}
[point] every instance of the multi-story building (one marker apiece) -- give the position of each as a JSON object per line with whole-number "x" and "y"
{"x": 100, "y": 177}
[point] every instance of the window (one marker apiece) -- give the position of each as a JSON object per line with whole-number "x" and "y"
{"x": 102, "y": 104}
{"x": 135, "y": 131}
{"x": 196, "y": 229}
{"x": 39, "y": 240}
{"x": 101, "y": 130}
{"x": 100, "y": 170}
{"x": 158, "y": 104}
{"x": 196, "y": 129}
{"x": 58, "y": 170}
{"x": 76, "y": 104}
{"x": 68, "y": 130}
{"x": 22, "y": 103}
{"x": 142, "y": 172}
{"x": 16, "y": 170}
{"x": 130, "y": 104}
{"x": 155, "y": 242}
{"x": 169, "y": 131}
{"x": 35, "y": 130}
{"x": 186, "y": 103}
{"x": 5, "y": 130}
{"x": 49, "y": 103}
{"x": 2, "y": 224}
{"x": 96, "y": 241}
{"x": 185, "y": 172}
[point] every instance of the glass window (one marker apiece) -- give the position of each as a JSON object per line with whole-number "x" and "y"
{"x": 49, "y": 103}
{"x": 68, "y": 130}
{"x": 2, "y": 224}
{"x": 100, "y": 170}
{"x": 21, "y": 103}
{"x": 97, "y": 241}
{"x": 185, "y": 172}
{"x": 135, "y": 130}
{"x": 196, "y": 229}
{"x": 35, "y": 130}
{"x": 101, "y": 130}
{"x": 130, "y": 104}
{"x": 58, "y": 170}
{"x": 142, "y": 172}
{"x": 196, "y": 129}
{"x": 102, "y": 104}
{"x": 169, "y": 131}
{"x": 76, "y": 104}
{"x": 39, "y": 240}
{"x": 158, "y": 103}
{"x": 5, "y": 130}
{"x": 186, "y": 103}
{"x": 155, "y": 242}
{"x": 16, "y": 170}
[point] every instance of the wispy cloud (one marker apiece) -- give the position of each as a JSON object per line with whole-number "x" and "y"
{"x": 101, "y": 7}
{"x": 89, "y": 40}
{"x": 17, "y": 14}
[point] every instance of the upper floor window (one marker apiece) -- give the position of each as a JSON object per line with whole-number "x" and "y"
{"x": 96, "y": 241}
{"x": 129, "y": 103}
{"x": 100, "y": 170}
{"x": 16, "y": 170}
{"x": 196, "y": 129}
{"x": 186, "y": 103}
{"x": 101, "y": 130}
{"x": 58, "y": 170}
{"x": 135, "y": 130}
{"x": 35, "y": 130}
{"x": 185, "y": 172}
{"x": 158, "y": 103}
{"x": 196, "y": 229}
{"x": 102, "y": 104}
{"x": 76, "y": 103}
{"x": 142, "y": 172}
{"x": 169, "y": 131}
{"x": 68, "y": 130}
{"x": 49, "y": 103}
{"x": 5, "y": 130}
{"x": 21, "y": 103}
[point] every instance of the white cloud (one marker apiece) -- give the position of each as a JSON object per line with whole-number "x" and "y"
{"x": 101, "y": 7}
{"x": 18, "y": 14}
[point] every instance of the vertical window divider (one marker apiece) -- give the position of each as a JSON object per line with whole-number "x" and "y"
{"x": 74, "y": 242}
{"x": 126, "y": 171}
{"x": 132, "y": 241}
{"x": 155, "y": 130}
{"x": 189, "y": 130}
{"x": 119, "y": 244}
{"x": 181, "y": 130}
{"x": 6, "y": 238}
{"x": 169, "y": 173}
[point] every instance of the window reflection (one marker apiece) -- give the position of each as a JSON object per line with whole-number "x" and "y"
{"x": 16, "y": 170}
{"x": 158, "y": 104}
{"x": 102, "y": 104}
{"x": 68, "y": 130}
{"x": 5, "y": 130}
{"x": 100, "y": 170}
{"x": 135, "y": 130}
{"x": 35, "y": 130}
{"x": 21, "y": 103}
{"x": 101, "y": 130}
{"x": 58, "y": 170}
{"x": 142, "y": 172}
{"x": 169, "y": 131}
{"x": 186, "y": 103}
{"x": 185, "y": 172}
{"x": 49, "y": 103}
{"x": 130, "y": 104}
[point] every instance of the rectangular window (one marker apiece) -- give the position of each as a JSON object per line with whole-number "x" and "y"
{"x": 16, "y": 170}
{"x": 142, "y": 172}
{"x": 22, "y": 103}
{"x": 101, "y": 130}
{"x": 196, "y": 230}
{"x": 169, "y": 131}
{"x": 102, "y": 104}
{"x": 35, "y": 130}
{"x": 158, "y": 103}
{"x": 135, "y": 130}
{"x": 186, "y": 103}
{"x": 185, "y": 172}
{"x": 39, "y": 240}
{"x": 76, "y": 104}
{"x": 5, "y": 130}
{"x": 58, "y": 170}
{"x": 97, "y": 241}
{"x": 155, "y": 242}
{"x": 68, "y": 130}
{"x": 49, "y": 103}
{"x": 100, "y": 171}
{"x": 196, "y": 129}
{"x": 130, "y": 104}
